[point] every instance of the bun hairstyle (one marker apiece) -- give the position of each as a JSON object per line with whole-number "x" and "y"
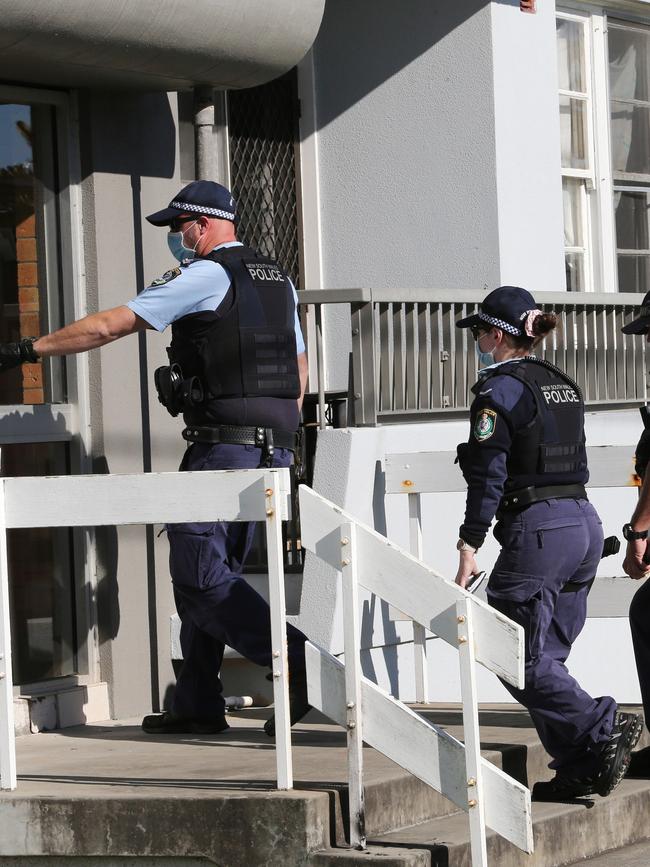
{"x": 537, "y": 326}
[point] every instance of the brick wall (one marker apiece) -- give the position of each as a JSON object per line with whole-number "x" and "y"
{"x": 29, "y": 305}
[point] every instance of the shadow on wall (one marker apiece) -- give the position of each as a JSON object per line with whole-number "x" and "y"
{"x": 361, "y": 45}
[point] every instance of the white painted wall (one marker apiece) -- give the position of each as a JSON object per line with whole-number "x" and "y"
{"x": 527, "y": 148}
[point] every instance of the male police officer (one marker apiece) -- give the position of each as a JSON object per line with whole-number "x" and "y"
{"x": 637, "y": 532}
{"x": 237, "y": 373}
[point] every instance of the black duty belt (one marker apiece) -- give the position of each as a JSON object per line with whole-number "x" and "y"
{"x": 514, "y": 501}
{"x": 261, "y": 437}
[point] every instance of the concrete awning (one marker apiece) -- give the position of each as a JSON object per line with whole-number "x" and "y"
{"x": 154, "y": 44}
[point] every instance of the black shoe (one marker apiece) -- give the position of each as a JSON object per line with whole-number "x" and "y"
{"x": 562, "y": 788}
{"x": 166, "y": 723}
{"x": 639, "y": 765}
{"x": 298, "y": 704}
{"x": 615, "y": 757}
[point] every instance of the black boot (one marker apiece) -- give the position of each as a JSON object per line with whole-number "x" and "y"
{"x": 166, "y": 723}
{"x": 298, "y": 704}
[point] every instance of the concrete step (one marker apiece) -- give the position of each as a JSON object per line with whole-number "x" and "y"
{"x": 383, "y": 857}
{"x": 564, "y": 833}
{"x": 631, "y": 856}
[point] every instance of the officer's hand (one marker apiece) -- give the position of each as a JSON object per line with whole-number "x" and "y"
{"x": 634, "y": 565}
{"x": 466, "y": 567}
{"x": 19, "y": 352}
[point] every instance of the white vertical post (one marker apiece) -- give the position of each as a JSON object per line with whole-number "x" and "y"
{"x": 7, "y": 731}
{"x": 278, "y": 608}
{"x": 354, "y": 716}
{"x": 475, "y": 791}
{"x": 419, "y": 632}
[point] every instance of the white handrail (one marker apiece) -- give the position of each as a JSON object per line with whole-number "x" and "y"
{"x": 481, "y": 634}
{"x": 151, "y": 498}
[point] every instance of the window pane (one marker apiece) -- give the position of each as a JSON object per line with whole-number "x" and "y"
{"x": 571, "y": 55}
{"x": 572, "y": 198}
{"x": 41, "y": 587}
{"x": 628, "y": 64}
{"x": 633, "y": 273}
{"x": 630, "y": 138}
{"x": 28, "y": 223}
{"x": 575, "y": 272}
{"x": 573, "y": 133}
{"x": 631, "y": 211}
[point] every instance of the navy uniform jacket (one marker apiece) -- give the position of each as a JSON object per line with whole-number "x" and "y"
{"x": 502, "y": 406}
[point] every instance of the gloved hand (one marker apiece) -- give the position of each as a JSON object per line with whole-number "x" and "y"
{"x": 642, "y": 453}
{"x": 19, "y": 352}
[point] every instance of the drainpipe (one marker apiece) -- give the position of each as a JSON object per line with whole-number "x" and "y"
{"x": 204, "y": 144}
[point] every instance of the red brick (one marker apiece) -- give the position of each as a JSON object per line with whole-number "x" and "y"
{"x": 26, "y": 249}
{"x": 30, "y": 325}
{"x": 33, "y": 395}
{"x": 26, "y": 229}
{"x": 27, "y": 274}
{"x": 28, "y": 300}
{"x": 32, "y": 375}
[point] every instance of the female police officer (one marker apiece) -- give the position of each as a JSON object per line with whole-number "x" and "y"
{"x": 526, "y": 462}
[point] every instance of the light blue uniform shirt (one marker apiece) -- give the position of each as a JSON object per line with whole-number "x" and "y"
{"x": 199, "y": 286}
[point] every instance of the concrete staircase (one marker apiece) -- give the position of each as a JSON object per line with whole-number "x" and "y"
{"x": 107, "y": 794}
{"x": 410, "y": 825}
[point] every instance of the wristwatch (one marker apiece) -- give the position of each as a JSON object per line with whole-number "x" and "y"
{"x": 462, "y": 545}
{"x": 632, "y": 535}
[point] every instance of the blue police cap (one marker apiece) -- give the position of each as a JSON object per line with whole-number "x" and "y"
{"x": 203, "y": 198}
{"x": 505, "y": 308}
{"x": 642, "y": 322}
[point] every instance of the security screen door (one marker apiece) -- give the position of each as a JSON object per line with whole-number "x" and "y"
{"x": 35, "y": 433}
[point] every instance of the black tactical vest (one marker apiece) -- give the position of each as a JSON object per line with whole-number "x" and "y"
{"x": 245, "y": 350}
{"x": 551, "y": 449}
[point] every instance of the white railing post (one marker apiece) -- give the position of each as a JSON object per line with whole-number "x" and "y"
{"x": 354, "y": 715}
{"x": 419, "y": 632}
{"x": 475, "y": 789}
{"x": 7, "y": 731}
{"x": 278, "y": 608}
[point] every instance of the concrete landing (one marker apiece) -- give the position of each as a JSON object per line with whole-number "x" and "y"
{"x": 110, "y": 791}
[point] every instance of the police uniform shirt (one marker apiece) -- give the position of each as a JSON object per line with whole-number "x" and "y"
{"x": 191, "y": 288}
{"x": 502, "y": 406}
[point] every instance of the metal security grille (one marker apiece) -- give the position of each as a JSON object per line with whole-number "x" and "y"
{"x": 262, "y": 125}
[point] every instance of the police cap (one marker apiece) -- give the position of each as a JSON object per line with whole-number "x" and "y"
{"x": 642, "y": 322}
{"x": 203, "y": 198}
{"x": 505, "y": 308}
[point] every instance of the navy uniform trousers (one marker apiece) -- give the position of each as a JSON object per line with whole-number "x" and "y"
{"x": 215, "y": 604}
{"x": 543, "y": 547}
{"x": 640, "y": 626}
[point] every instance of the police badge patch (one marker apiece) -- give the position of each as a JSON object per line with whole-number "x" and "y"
{"x": 485, "y": 424}
{"x": 166, "y": 277}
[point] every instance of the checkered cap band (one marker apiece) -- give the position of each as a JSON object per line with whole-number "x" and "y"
{"x": 499, "y": 323}
{"x": 202, "y": 209}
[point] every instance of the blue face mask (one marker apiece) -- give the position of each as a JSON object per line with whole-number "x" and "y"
{"x": 485, "y": 359}
{"x": 177, "y": 247}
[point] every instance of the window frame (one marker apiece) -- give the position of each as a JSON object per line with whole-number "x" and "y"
{"x": 69, "y": 421}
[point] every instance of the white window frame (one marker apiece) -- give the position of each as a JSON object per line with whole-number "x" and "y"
{"x": 66, "y": 422}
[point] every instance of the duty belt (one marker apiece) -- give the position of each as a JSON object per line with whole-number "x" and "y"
{"x": 262, "y": 437}
{"x": 514, "y": 501}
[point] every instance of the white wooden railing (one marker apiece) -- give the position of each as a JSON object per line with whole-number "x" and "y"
{"x": 151, "y": 498}
{"x": 364, "y": 558}
{"x": 480, "y": 634}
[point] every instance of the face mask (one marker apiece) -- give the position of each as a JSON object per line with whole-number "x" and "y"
{"x": 177, "y": 247}
{"x": 484, "y": 358}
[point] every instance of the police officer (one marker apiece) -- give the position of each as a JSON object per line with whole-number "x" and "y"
{"x": 526, "y": 463}
{"x": 636, "y": 532}
{"x": 237, "y": 372}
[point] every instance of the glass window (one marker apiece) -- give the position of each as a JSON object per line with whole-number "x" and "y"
{"x": 41, "y": 585}
{"x": 29, "y": 292}
{"x": 575, "y": 147}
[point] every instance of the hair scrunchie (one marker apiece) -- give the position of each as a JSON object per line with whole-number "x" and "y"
{"x": 530, "y": 316}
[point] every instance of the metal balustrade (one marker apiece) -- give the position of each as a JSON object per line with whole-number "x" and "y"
{"x": 410, "y": 362}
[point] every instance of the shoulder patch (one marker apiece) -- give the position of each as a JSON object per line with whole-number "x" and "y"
{"x": 485, "y": 424}
{"x": 166, "y": 277}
